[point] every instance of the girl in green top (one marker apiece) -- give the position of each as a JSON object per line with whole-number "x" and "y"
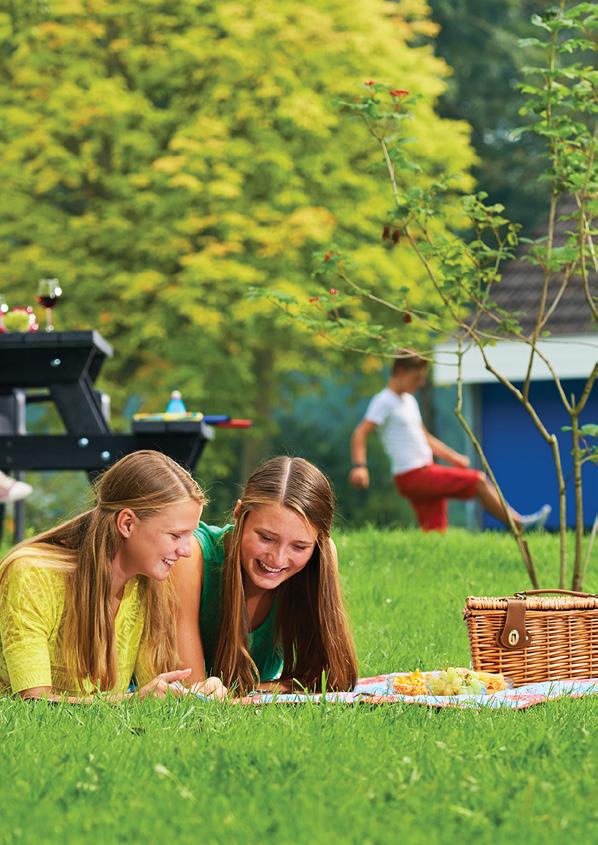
{"x": 261, "y": 600}
{"x": 87, "y": 604}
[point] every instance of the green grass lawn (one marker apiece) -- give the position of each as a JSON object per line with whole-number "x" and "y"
{"x": 191, "y": 772}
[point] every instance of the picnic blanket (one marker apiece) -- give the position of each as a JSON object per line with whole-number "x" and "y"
{"x": 379, "y": 690}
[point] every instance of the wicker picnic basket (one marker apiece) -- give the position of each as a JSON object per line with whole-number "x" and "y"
{"x": 530, "y": 637}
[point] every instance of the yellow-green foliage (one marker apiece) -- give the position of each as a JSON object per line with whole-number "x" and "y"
{"x": 160, "y": 158}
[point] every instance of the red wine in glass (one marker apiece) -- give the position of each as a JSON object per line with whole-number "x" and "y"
{"x": 48, "y": 294}
{"x": 47, "y": 301}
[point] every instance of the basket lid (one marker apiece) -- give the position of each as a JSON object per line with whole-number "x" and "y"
{"x": 547, "y": 601}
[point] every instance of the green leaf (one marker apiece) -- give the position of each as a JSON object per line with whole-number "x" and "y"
{"x": 530, "y": 42}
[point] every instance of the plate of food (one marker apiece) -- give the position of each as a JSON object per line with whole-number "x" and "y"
{"x": 443, "y": 682}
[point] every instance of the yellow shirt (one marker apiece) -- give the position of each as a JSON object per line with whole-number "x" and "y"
{"x": 32, "y": 612}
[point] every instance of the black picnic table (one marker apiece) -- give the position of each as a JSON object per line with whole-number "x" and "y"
{"x": 62, "y": 367}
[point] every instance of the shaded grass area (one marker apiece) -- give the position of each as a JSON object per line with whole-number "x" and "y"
{"x": 193, "y": 772}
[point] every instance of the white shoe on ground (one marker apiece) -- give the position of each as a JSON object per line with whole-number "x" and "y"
{"x": 537, "y": 520}
{"x": 12, "y": 490}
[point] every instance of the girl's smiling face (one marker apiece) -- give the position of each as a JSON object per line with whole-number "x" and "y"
{"x": 153, "y": 545}
{"x": 277, "y": 543}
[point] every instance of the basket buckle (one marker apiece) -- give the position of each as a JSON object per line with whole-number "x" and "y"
{"x": 513, "y": 636}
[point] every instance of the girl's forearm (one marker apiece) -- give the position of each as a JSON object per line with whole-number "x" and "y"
{"x": 59, "y": 698}
{"x": 62, "y": 698}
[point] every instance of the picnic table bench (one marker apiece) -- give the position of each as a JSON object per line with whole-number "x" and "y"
{"x": 62, "y": 367}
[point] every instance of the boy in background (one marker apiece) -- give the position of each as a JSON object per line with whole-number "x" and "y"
{"x": 411, "y": 450}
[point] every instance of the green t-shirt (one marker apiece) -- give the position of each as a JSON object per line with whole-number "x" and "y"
{"x": 263, "y": 648}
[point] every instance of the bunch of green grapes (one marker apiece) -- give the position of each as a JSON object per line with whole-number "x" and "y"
{"x": 456, "y": 682}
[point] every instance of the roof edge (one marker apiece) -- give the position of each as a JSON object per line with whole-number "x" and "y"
{"x": 571, "y": 356}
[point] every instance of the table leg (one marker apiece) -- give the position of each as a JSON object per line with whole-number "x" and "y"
{"x": 19, "y": 522}
{"x": 80, "y": 408}
{"x": 19, "y": 525}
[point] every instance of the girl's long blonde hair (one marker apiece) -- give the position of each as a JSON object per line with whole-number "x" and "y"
{"x": 84, "y": 547}
{"x": 311, "y": 623}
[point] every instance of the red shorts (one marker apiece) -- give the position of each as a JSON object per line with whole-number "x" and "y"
{"x": 428, "y": 488}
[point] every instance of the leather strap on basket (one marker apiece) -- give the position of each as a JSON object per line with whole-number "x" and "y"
{"x": 513, "y": 636}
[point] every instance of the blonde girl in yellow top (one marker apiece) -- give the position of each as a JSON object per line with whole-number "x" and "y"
{"x": 87, "y": 605}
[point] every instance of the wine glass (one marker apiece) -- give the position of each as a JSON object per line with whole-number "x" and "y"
{"x": 48, "y": 294}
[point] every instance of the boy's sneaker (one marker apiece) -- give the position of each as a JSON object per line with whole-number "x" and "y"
{"x": 537, "y": 520}
{"x": 12, "y": 490}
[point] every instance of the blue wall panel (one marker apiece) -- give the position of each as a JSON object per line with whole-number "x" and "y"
{"x": 522, "y": 460}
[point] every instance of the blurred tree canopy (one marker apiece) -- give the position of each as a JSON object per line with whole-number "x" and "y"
{"x": 479, "y": 39}
{"x": 161, "y": 158}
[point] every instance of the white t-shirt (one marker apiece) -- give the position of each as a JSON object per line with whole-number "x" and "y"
{"x": 401, "y": 430}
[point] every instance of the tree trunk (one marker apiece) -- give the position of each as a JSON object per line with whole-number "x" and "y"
{"x": 515, "y": 531}
{"x": 562, "y": 511}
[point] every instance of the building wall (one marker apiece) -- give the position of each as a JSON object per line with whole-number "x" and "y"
{"x": 521, "y": 458}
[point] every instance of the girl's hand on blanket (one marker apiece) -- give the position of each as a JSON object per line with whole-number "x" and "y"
{"x": 212, "y": 687}
{"x": 166, "y": 684}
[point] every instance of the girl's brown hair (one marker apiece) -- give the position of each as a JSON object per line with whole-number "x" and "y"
{"x": 312, "y": 625}
{"x": 146, "y": 482}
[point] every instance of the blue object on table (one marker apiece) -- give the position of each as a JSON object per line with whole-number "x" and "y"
{"x": 214, "y": 419}
{"x": 176, "y": 404}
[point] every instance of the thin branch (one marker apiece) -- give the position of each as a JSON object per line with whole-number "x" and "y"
{"x": 558, "y": 296}
{"x": 555, "y": 378}
{"x": 367, "y": 294}
{"x": 486, "y": 295}
{"x": 586, "y": 561}
{"x": 410, "y": 238}
{"x": 543, "y": 296}
{"x": 585, "y": 235}
{"x": 426, "y": 355}
{"x": 582, "y": 205}
{"x": 586, "y": 391}
{"x": 519, "y": 395}
{"x": 515, "y": 530}
{"x": 552, "y": 441}
{"x": 391, "y": 171}
{"x": 386, "y": 303}
{"x": 577, "y": 481}
{"x": 554, "y": 151}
